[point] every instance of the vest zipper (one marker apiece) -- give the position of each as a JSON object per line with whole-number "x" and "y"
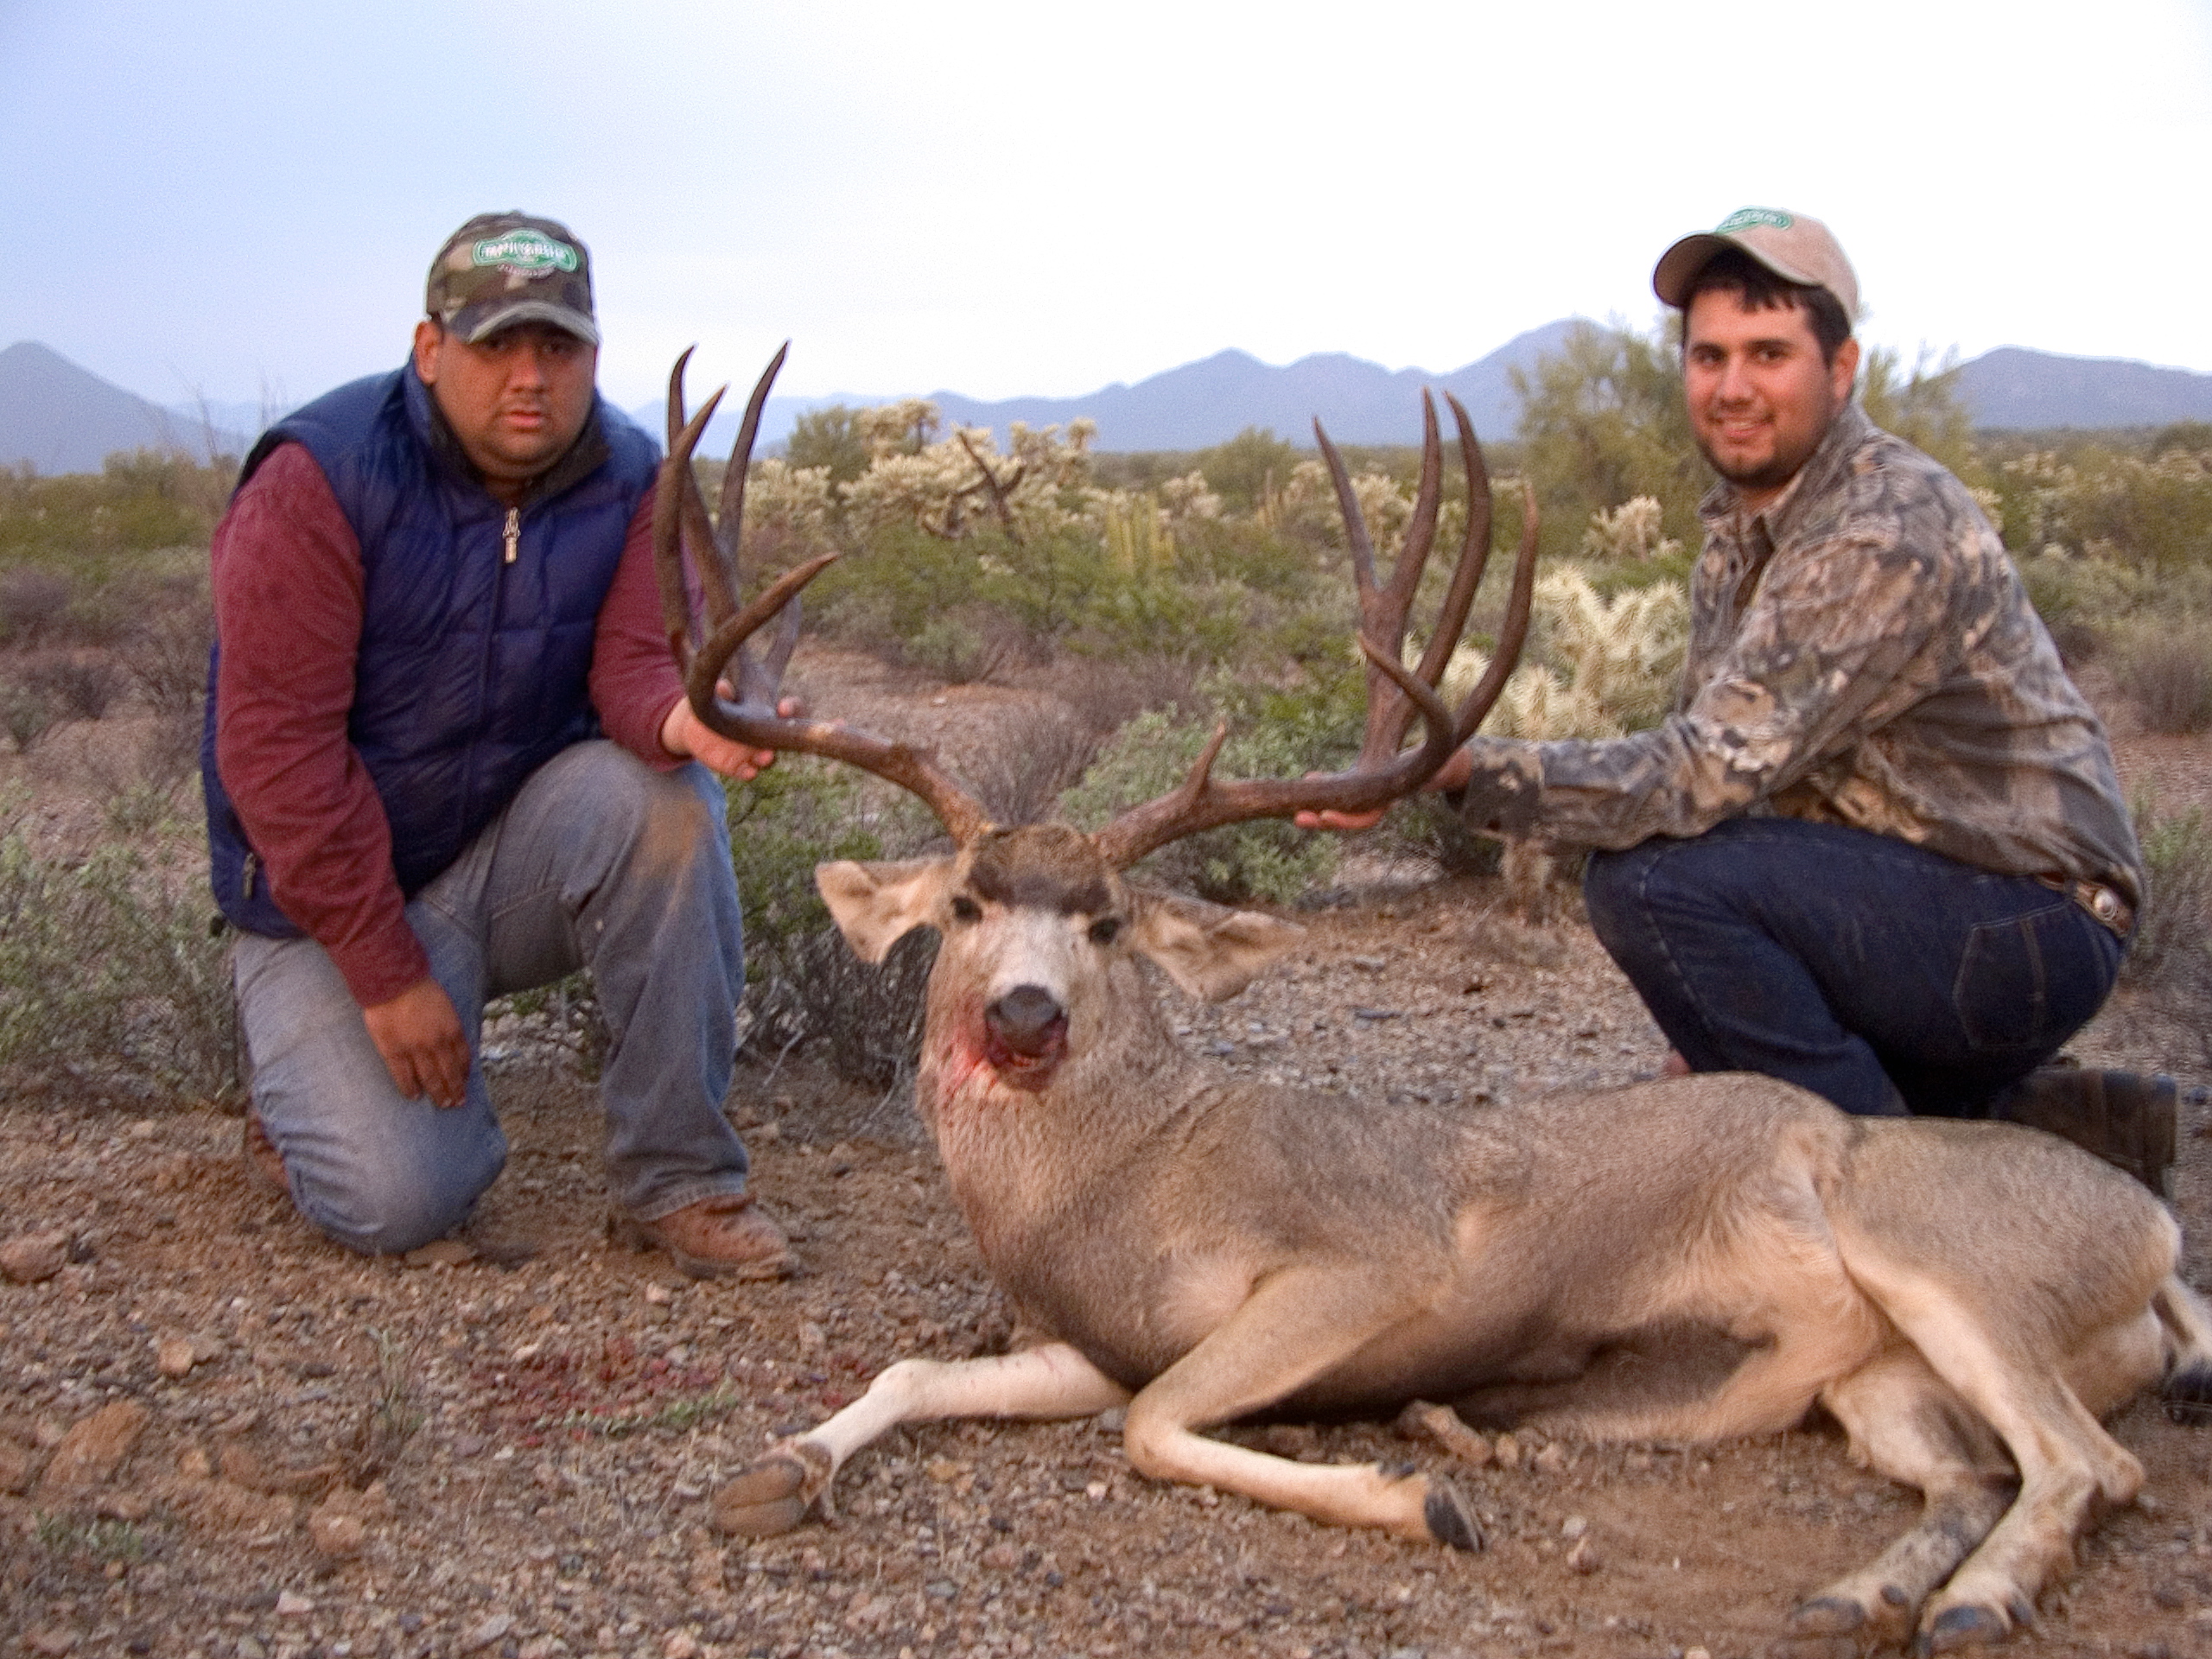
{"x": 514, "y": 533}
{"x": 252, "y": 867}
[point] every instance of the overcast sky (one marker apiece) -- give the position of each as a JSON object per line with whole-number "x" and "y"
{"x": 229, "y": 199}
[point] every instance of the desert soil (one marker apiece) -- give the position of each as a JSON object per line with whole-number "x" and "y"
{"x": 221, "y": 1436}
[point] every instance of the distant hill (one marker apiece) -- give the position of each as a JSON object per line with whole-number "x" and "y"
{"x": 2014, "y": 388}
{"x": 1208, "y": 402}
{"x": 64, "y": 419}
{"x": 61, "y": 418}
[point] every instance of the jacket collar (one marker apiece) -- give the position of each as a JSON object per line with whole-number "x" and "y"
{"x": 577, "y": 462}
{"x": 1824, "y": 467}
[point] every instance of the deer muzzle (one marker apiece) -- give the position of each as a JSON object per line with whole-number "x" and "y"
{"x": 1028, "y": 1034}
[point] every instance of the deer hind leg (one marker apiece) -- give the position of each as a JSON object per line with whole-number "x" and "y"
{"x": 1290, "y": 1330}
{"x": 774, "y": 1492}
{"x": 1906, "y": 1422}
{"x": 2068, "y": 1464}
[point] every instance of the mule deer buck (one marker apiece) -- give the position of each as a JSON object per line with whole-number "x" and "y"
{"x": 1966, "y": 1299}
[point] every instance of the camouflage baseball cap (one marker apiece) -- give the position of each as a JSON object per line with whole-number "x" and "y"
{"x": 1794, "y": 248}
{"x": 502, "y": 269}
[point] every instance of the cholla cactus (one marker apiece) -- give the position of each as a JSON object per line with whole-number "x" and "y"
{"x": 948, "y": 487}
{"x": 791, "y": 502}
{"x": 1630, "y": 531}
{"x": 1603, "y": 667}
{"x": 1305, "y": 504}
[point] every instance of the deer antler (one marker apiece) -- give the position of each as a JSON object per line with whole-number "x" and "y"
{"x": 680, "y": 520}
{"x": 1380, "y": 774}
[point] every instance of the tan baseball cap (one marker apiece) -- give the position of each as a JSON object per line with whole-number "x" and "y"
{"x": 1794, "y": 248}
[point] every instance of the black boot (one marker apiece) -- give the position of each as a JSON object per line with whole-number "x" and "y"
{"x": 2130, "y": 1121}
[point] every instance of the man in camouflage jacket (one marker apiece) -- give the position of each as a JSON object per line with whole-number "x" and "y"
{"x": 1879, "y": 849}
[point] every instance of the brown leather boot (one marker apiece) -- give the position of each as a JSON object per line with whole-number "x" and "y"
{"x": 727, "y": 1237}
{"x": 2130, "y": 1121}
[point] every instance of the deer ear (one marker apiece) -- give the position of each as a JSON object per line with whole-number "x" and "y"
{"x": 876, "y": 905}
{"x": 1212, "y": 952}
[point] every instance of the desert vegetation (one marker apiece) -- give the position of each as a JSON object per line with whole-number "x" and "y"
{"x": 1151, "y": 596}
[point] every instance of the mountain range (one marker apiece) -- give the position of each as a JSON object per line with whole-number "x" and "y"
{"x": 58, "y": 417}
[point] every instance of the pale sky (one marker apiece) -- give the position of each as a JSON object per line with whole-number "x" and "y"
{"x": 225, "y": 199}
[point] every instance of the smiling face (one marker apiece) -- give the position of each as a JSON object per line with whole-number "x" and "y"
{"x": 1760, "y": 395}
{"x": 516, "y": 400}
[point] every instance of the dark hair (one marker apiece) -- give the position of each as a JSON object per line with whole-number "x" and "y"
{"x": 1736, "y": 272}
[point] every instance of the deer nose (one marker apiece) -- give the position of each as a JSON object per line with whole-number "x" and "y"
{"x": 1026, "y": 1019}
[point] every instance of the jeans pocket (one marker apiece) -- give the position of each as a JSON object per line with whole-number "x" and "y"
{"x": 2004, "y": 996}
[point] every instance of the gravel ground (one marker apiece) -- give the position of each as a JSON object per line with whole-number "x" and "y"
{"x": 221, "y": 1436}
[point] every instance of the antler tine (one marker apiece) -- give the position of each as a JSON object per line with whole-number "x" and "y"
{"x": 1199, "y": 803}
{"x": 911, "y": 768}
{"x": 1466, "y": 575}
{"x": 1383, "y": 610}
{"x": 750, "y": 718}
{"x": 1376, "y": 779}
{"x": 674, "y": 490}
{"x": 1514, "y": 631}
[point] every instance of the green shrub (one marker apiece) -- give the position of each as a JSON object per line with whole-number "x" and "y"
{"x": 2172, "y": 950}
{"x": 109, "y": 973}
{"x": 1274, "y": 734}
{"x": 2168, "y": 672}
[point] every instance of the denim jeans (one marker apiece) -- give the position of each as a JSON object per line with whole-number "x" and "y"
{"x": 598, "y": 862}
{"x": 1887, "y": 978}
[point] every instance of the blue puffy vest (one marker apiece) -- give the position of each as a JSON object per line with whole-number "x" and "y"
{"x": 473, "y": 667}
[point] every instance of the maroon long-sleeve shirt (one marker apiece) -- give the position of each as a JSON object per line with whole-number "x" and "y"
{"x": 288, "y": 610}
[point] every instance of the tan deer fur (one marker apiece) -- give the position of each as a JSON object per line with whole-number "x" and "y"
{"x": 1965, "y": 1298}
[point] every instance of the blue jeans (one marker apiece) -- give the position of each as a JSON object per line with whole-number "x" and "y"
{"x": 598, "y": 862}
{"x": 1887, "y": 978}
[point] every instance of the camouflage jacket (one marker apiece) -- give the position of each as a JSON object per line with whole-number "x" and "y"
{"x": 1861, "y": 652}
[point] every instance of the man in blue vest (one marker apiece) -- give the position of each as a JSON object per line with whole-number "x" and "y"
{"x": 448, "y": 757}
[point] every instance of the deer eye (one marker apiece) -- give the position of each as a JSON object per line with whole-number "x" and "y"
{"x": 1103, "y": 931}
{"x": 965, "y": 909}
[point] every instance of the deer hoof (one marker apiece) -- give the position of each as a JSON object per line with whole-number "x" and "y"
{"x": 773, "y": 1493}
{"x": 1450, "y": 1519}
{"x": 1827, "y": 1616}
{"x": 1962, "y": 1627}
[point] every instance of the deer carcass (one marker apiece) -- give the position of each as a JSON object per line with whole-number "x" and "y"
{"x": 1966, "y": 1299}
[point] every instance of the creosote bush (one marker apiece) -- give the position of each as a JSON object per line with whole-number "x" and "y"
{"x": 108, "y": 971}
{"x": 2169, "y": 673}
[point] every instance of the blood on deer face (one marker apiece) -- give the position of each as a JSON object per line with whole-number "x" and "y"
{"x": 1037, "y": 968}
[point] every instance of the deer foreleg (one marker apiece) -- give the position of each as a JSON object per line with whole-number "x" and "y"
{"x": 1294, "y": 1328}
{"x": 773, "y": 1493}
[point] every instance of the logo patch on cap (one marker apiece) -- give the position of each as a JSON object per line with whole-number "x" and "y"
{"x": 1746, "y": 219}
{"x": 527, "y": 253}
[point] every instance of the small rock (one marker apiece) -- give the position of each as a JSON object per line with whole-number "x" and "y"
{"x": 250, "y": 1648}
{"x": 679, "y": 1644}
{"x": 125, "y": 1506}
{"x": 92, "y": 1449}
{"x": 485, "y": 1634}
{"x": 16, "y": 1467}
{"x": 242, "y": 1466}
{"x": 441, "y": 1253}
{"x": 1583, "y": 1558}
{"x": 1551, "y": 1460}
{"x": 52, "y": 1640}
{"x": 206, "y": 1349}
{"x": 1573, "y": 1528}
{"x": 1509, "y": 1451}
{"x": 2169, "y": 1595}
{"x": 30, "y": 1258}
{"x": 194, "y": 1463}
{"x": 657, "y": 1294}
{"x": 173, "y": 1357}
{"x": 336, "y": 1532}
{"x": 292, "y": 1605}
{"x": 944, "y": 1471}
{"x": 239, "y": 1424}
